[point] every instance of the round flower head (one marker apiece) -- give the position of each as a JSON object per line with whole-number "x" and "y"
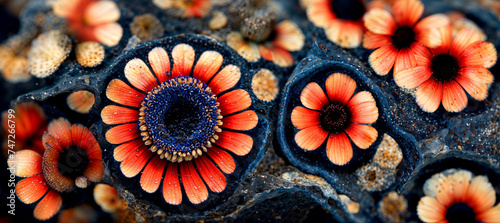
{"x": 399, "y": 36}
{"x": 180, "y": 123}
{"x": 335, "y": 117}
{"x": 71, "y": 158}
{"x": 186, "y": 8}
{"x": 456, "y": 196}
{"x": 443, "y": 73}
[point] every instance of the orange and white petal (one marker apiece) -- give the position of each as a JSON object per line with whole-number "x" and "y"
{"x": 183, "y": 56}
{"x": 304, "y": 118}
{"x": 215, "y": 180}
{"x": 407, "y": 12}
{"x": 462, "y": 40}
{"x": 152, "y": 174}
{"x": 340, "y": 87}
{"x": 134, "y": 163}
{"x": 339, "y": 149}
{"x": 171, "y": 187}
{"x": 80, "y": 101}
{"x": 311, "y": 138}
{"x": 94, "y": 171}
{"x": 430, "y": 210}
{"x": 382, "y": 60}
{"x": 380, "y": 21}
{"x": 429, "y": 95}
{"x": 207, "y": 66}
{"x": 222, "y": 159}
{"x": 122, "y": 133}
{"x": 476, "y": 89}
{"x": 234, "y": 101}
{"x": 481, "y": 194}
{"x": 242, "y": 121}
{"x": 288, "y": 36}
{"x": 362, "y": 135}
{"x": 124, "y": 150}
{"x": 412, "y": 77}
{"x": 346, "y": 34}
{"x": 48, "y": 206}
{"x": 266, "y": 52}
{"x": 477, "y": 73}
{"x": 195, "y": 189}
{"x": 160, "y": 62}
{"x": 460, "y": 181}
{"x": 454, "y": 97}
{"x": 363, "y": 108}
{"x": 429, "y": 37}
{"x": 237, "y": 143}
{"x": 490, "y": 215}
{"x": 50, "y": 142}
{"x": 113, "y": 114}
{"x": 320, "y": 13}
{"x": 313, "y": 97}
{"x": 478, "y": 54}
{"x": 121, "y": 93}
{"x": 423, "y": 55}
{"x": 248, "y": 50}
{"x": 227, "y": 78}
{"x": 101, "y": 12}
{"x": 281, "y": 57}
{"x": 446, "y": 33}
{"x": 108, "y": 34}
{"x": 61, "y": 130}
{"x": 31, "y": 189}
{"x": 139, "y": 75}
{"x": 25, "y": 163}
{"x": 372, "y": 40}
{"x": 434, "y": 21}
{"x": 404, "y": 60}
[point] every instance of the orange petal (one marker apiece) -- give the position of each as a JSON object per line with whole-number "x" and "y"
{"x": 94, "y": 171}
{"x": 101, "y": 12}
{"x": 446, "y": 37}
{"x": 288, "y": 36}
{"x": 82, "y": 137}
{"x": 407, "y": 12}
{"x": 124, "y": 150}
{"x": 80, "y": 101}
{"x": 113, "y": 114}
{"x": 481, "y": 194}
{"x": 363, "y": 108}
{"x": 122, "y": 133}
{"x": 382, "y": 59}
{"x": 462, "y": 40}
{"x": 346, "y": 34}
{"x": 196, "y": 190}
{"x": 412, "y": 77}
{"x": 304, "y": 118}
{"x": 223, "y": 159}
{"x": 362, "y": 135}
{"x": 404, "y": 60}
{"x": 313, "y": 97}
{"x": 490, "y": 215}
{"x": 50, "y": 142}
{"x": 152, "y": 174}
{"x": 237, "y": 143}
{"x": 340, "y": 87}
{"x": 266, "y": 52}
{"x": 478, "y": 54}
{"x": 311, "y": 138}
{"x": 430, "y": 210}
{"x": 61, "y": 130}
{"x": 208, "y": 64}
{"x": 108, "y": 34}
{"x": 429, "y": 38}
{"x": 454, "y": 98}
{"x": 171, "y": 188}
{"x": 429, "y": 95}
{"x": 95, "y": 152}
{"x": 134, "y": 163}
{"x": 379, "y": 21}
{"x": 234, "y": 101}
{"x": 282, "y": 57}
{"x": 242, "y": 121}
{"x": 477, "y": 73}
{"x": 215, "y": 180}
{"x": 31, "y": 189}
{"x": 225, "y": 79}
{"x": 25, "y": 163}
{"x": 423, "y": 55}
{"x": 434, "y": 21}
{"x": 339, "y": 149}
{"x": 476, "y": 89}
{"x": 121, "y": 93}
{"x": 49, "y": 206}
{"x": 139, "y": 75}
{"x": 320, "y": 13}
{"x": 372, "y": 40}
{"x": 183, "y": 55}
{"x": 160, "y": 62}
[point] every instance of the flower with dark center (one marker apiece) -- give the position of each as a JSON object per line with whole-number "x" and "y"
{"x": 456, "y": 196}
{"x": 71, "y": 157}
{"x": 443, "y": 73}
{"x": 186, "y": 8}
{"x": 182, "y": 118}
{"x": 400, "y": 36}
{"x": 336, "y": 117}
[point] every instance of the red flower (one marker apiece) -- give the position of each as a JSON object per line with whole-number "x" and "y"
{"x": 71, "y": 157}
{"x": 335, "y": 117}
{"x": 443, "y": 73}
{"x": 456, "y": 196}
{"x": 186, "y": 9}
{"x": 189, "y": 116}
{"x": 398, "y": 37}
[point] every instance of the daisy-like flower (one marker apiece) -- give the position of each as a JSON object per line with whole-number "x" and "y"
{"x": 285, "y": 37}
{"x": 91, "y": 20}
{"x": 71, "y": 157}
{"x": 456, "y": 196}
{"x": 397, "y": 37}
{"x": 184, "y": 119}
{"x": 186, "y": 8}
{"x": 336, "y": 116}
{"x": 30, "y": 124}
{"x": 442, "y": 74}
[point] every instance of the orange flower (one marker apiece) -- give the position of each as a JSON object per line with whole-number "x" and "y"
{"x": 398, "y": 37}
{"x": 443, "y": 73}
{"x": 91, "y": 20}
{"x": 335, "y": 117}
{"x": 184, "y": 119}
{"x": 186, "y": 8}
{"x": 71, "y": 157}
{"x": 456, "y": 196}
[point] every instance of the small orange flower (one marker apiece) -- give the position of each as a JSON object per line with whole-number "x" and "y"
{"x": 400, "y": 35}
{"x": 188, "y": 8}
{"x": 336, "y": 116}
{"x": 456, "y": 196}
{"x": 442, "y": 74}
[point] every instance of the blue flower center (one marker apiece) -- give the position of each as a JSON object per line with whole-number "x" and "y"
{"x": 179, "y": 119}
